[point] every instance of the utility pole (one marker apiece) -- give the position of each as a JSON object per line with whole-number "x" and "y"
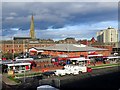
{"x": 13, "y": 55}
{"x": 13, "y": 48}
{"x": 24, "y": 75}
{"x": 23, "y": 46}
{"x": 68, "y": 47}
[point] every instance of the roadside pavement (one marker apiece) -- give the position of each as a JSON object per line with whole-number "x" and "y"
{"x": 6, "y": 80}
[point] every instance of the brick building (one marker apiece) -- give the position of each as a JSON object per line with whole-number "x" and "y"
{"x": 103, "y": 45}
{"x": 23, "y": 45}
{"x": 87, "y": 42}
{"x": 72, "y": 50}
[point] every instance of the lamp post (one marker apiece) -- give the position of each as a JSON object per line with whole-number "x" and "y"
{"x": 24, "y": 76}
{"x": 23, "y": 46}
{"x": 13, "y": 55}
{"x": 12, "y": 48}
{"x": 68, "y": 47}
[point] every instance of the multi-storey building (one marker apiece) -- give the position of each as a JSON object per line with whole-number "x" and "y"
{"x": 109, "y": 35}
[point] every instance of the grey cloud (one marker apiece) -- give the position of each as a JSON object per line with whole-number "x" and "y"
{"x": 56, "y": 15}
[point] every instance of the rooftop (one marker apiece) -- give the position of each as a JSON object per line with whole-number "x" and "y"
{"x": 70, "y": 47}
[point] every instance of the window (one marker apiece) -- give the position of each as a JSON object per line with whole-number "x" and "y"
{"x": 7, "y": 45}
{"x": 26, "y": 45}
{"x": 18, "y": 45}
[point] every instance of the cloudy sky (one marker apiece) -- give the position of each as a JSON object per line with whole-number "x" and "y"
{"x": 58, "y": 20}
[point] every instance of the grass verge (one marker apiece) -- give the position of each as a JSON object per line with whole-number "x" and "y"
{"x": 27, "y": 75}
{"x": 104, "y": 66}
{"x": 14, "y": 79}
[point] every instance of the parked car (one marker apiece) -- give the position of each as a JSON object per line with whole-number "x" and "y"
{"x": 48, "y": 73}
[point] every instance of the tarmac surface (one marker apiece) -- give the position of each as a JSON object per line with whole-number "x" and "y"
{"x": 108, "y": 78}
{"x": 106, "y": 81}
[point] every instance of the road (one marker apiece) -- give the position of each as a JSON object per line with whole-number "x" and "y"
{"x": 102, "y": 78}
{"x": 106, "y": 81}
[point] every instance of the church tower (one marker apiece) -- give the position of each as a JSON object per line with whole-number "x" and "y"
{"x": 32, "y": 31}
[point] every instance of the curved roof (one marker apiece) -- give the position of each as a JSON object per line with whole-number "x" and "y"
{"x": 71, "y": 47}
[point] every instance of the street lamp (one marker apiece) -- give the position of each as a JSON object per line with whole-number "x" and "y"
{"x": 12, "y": 48}
{"x": 68, "y": 47}
{"x": 24, "y": 75}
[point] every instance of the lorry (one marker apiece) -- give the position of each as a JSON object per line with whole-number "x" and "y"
{"x": 78, "y": 66}
{"x": 72, "y": 69}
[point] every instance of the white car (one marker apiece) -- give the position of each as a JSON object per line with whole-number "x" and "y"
{"x": 60, "y": 72}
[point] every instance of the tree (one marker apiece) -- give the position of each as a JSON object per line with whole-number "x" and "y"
{"x": 16, "y": 54}
{"x": 7, "y": 55}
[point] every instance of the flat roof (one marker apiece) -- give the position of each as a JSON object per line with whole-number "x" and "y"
{"x": 79, "y": 59}
{"x": 24, "y": 59}
{"x": 18, "y": 64}
{"x": 95, "y": 55}
{"x": 113, "y": 57}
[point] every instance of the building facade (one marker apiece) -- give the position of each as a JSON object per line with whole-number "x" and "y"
{"x": 87, "y": 42}
{"x": 72, "y": 50}
{"x": 109, "y": 35}
{"x": 18, "y": 46}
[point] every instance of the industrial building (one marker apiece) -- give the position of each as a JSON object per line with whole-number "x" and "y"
{"x": 69, "y": 50}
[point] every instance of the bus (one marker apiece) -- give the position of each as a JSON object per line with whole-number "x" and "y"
{"x": 17, "y": 67}
{"x": 61, "y": 60}
{"x": 80, "y": 61}
{"x": 113, "y": 59}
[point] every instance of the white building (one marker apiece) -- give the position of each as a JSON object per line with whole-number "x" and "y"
{"x": 109, "y": 35}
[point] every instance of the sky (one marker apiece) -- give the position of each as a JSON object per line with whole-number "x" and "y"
{"x": 58, "y": 20}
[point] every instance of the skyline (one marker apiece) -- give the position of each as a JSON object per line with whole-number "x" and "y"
{"x": 80, "y": 20}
